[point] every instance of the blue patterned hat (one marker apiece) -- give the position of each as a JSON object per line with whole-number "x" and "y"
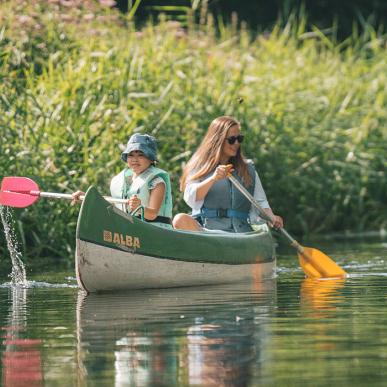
{"x": 141, "y": 142}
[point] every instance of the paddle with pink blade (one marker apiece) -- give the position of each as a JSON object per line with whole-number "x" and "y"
{"x": 21, "y": 192}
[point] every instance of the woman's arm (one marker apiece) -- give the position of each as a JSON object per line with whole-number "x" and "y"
{"x": 260, "y": 197}
{"x": 190, "y": 195}
{"x": 203, "y": 187}
{"x": 259, "y": 193}
{"x": 196, "y": 192}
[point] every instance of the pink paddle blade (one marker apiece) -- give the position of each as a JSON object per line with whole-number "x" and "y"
{"x": 19, "y": 200}
{"x": 18, "y": 192}
{"x": 18, "y": 184}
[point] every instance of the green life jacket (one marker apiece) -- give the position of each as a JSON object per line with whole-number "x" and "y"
{"x": 123, "y": 187}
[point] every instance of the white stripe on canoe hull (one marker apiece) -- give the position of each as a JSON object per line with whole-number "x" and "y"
{"x": 101, "y": 268}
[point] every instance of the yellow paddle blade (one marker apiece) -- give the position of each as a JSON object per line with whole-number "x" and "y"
{"x": 318, "y": 265}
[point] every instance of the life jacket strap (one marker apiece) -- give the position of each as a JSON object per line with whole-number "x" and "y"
{"x": 222, "y": 213}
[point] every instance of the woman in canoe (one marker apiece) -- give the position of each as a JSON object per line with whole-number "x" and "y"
{"x": 216, "y": 204}
{"x": 142, "y": 183}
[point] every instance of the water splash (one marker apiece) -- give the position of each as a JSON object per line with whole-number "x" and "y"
{"x": 18, "y": 274}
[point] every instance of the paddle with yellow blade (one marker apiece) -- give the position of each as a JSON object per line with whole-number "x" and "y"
{"x": 22, "y": 192}
{"x": 314, "y": 262}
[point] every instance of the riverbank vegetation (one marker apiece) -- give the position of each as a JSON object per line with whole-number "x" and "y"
{"x": 77, "y": 78}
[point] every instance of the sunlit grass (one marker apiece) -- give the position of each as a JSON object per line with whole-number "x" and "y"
{"x": 75, "y": 83}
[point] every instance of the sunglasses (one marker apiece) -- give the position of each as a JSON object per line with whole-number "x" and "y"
{"x": 231, "y": 140}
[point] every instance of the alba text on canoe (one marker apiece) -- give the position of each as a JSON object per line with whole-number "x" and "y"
{"x": 121, "y": 239}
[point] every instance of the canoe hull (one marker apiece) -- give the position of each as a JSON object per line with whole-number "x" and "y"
{"x": 101, "y": 269}
{"x": 115, "y": 251}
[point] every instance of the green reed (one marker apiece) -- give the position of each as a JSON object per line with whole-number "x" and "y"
{"x": 77, "y": 81}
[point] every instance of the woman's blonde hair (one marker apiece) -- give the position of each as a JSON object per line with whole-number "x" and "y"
{"x": 207, "y": 156}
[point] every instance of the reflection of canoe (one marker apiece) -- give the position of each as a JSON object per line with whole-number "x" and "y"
{"x": 206, "y": 335}
{"x": 138, "y": 307}
{"x": 119, "y": 251}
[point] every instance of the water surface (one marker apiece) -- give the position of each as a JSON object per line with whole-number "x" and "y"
{"x": 288, "y": 331}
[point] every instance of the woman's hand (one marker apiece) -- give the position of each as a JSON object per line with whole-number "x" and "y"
{"x": 76, "y": 197}
{"x": 278, "y": 222}
{"x": 134, "y": 202}
{"x": 221, "y": 172}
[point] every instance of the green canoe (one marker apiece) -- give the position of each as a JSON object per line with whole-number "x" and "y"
{"x": 117, "y": 251}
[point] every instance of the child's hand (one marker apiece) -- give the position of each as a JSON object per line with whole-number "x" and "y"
{"x": 134, "y": 202}
{"x": 76, "y": 197}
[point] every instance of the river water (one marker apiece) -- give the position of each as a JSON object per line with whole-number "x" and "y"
{"x": 289, "y": 331}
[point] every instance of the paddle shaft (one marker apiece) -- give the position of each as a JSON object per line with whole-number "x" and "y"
{"x": 263, "y": 214}
{"x": 314, "y": 263}
{"x": 19, "y": 191}
{"x": 54, "y": 195}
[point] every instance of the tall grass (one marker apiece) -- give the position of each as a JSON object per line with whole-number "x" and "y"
{"x": 77, "y": 81}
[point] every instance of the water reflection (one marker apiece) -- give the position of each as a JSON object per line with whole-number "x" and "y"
{"x": 321, "y": 296}
{"x": 21, "y": 358}
{"x": 320, "y": 300}
{"x": 212, "y": 336}
{"x": 210, "y": 345}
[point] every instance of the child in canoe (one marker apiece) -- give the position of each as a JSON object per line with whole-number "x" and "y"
{"x": 142, "y": 183}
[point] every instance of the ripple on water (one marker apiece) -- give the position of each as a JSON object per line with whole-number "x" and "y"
{"x": 37, "y": 284}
